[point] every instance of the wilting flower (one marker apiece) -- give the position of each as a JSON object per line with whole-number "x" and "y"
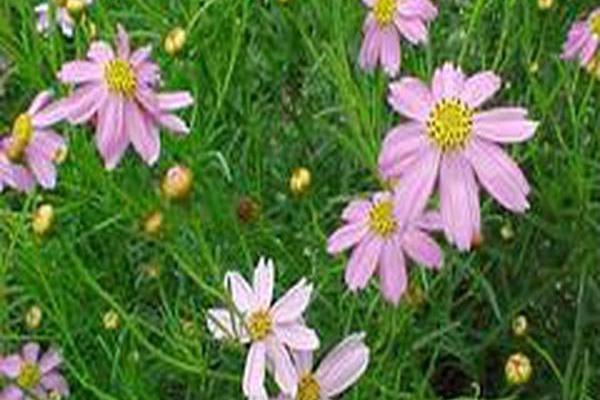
{"x": 380, "y": 240}
{"x": 339, "y": 370}
{"x": 62, "y": 15}
{"x": 29, "y": 153}
{"x": 271, "y": 330}
{"x": 518, "y": 369}
{"x": 449, "y": 138}
{"x": 29, "y": 372}
{"x": 582, "y": 39}
{"x": 119, "y": 90}
{"x": 386, "y": 22}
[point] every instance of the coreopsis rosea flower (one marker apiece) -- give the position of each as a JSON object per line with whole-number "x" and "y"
{"x": 119, "y": 90}
{"x": 583, "y": 38}
{"x": 449, "y": 142}
{"x": 271, "y": 330}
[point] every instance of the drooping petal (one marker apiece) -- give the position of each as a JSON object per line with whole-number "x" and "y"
{"x": 303, "y": 361}
{"x": 422, "y": 248}
{"x": 50, "y": 115}
{"x": 284, "y": 371}
{"x": 413, "y": 29}
{"x": 499, "y": 174}
{"x": 343, "y": 366}
{"x": 16, "y": 176}
{"x": 10, "y": 366}
{"x": 390, "y": 51}
{"x": 241, "y": 292}
{"x": 174, "y": 101}
{"x": 48, "y": 143}
{"x": 77, "y": 72}
{"x": 293, "y": 303}
{"x": 430, "y": 221}
{"x": 264, "y": 278}
{"x": 42, "y": 167}
{"x": 495, "y": 125}
{"x": 347, "y": 236}
{"x": 55, "y": 382}
{"x": 369, "y": 51}
{"x": 588, "y": 50}
{"x": 84, "y": 103}
{"x": 459, "y": 201}
{"x": 448, "y": 82}
{"x": 411, "y": 98}
{"x": 41, "y": 100}
{"x": 111, "y": 137}
{"x": 363, "y": 263}
{"x": 49, "y": 361}
{"x": 392, "y": 271}
{"x": 173, "y": 123}
{"x": 356, "y": 210}
{"x": 140, "y": 55}
{"x": 100, "y": 52}
{"x": 479, "y": 88}
{"x": 253, "y": 383}
{"x": 297, "y": 336}
{"x": 401, "y": 148}
{"x": 423, "y": 9}
{"x": 145, "y": 140}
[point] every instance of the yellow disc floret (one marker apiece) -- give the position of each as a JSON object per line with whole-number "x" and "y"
{"x": 594, "y": 24}
{"x": 29, "y": 376}
{"x": 22, "y": 133}
{"x": 450, "y": 124}
{"x": 308, "y": 388}
{"x": 120, "y": 77}
{"x": 381, "y": 218}
{"x": 384, "y": 11}
{"x": 259, "y": 325}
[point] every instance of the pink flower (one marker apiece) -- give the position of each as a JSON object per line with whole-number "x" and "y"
{"x": 61, "y": 16}
{"x": 119, "y": 91}
{"x": 29, "y": 154}
{"x": 271, "y": 330}
{"x": 380, "y": 240}
{"x": 447, "y": 137}
{"x": 582, "y": 40}
{"x": 27, "y": 371}
{"x": 386, "y": 22}
{"x": 339, "y": 370}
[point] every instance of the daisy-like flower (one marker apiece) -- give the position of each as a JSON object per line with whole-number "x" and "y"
{"x": 339, "y": 370}
{"x": 62, "y": 16}
{"x": 583, "y": 38}
{"x": 119, "y": 90}
{"x": 449, "y": 138}
{"x": 30, "y": 373}
{"x": 380, "y": 241}
{"x": 271, "y": 330}
{"x": 30, "y": 152}
{"x": 386, "y": 22}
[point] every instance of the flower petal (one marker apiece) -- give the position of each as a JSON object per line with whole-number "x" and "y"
{"x": 140, "y": 55}
{"x": 363, "y": 262}
{"x": 346, "y": 237}
{"x": 283, "y": 369}
{"x": 371, "y": 44}
{"x": 479, "y": 88}
{"x": 401, "y": 149}
{"x": 141, "y": 132}
{"x": 343, "y": 366}
{"x": 413, "y": 29}
{"x": 100, "y": 52}
{"x": 55, "y": 382}
{"x": 224, "y": 324}
{"x": 77, "y": 72}
{"x": 49, "y": 361}
{"x": 241, "y": 292}
{"x": 123, "y": 48}
{"x": 499, "y": 174}
{"x": 495, "y": 125}
{"x": 10, "y": 366}
{"x": 293, "y": 303}
{"x": 448, "y": 82}
{"x": 173, "y": 123}
{"x": 297, "y": 336}
{"x": 11, "y": 392}
{"x": 411, "y": 98}
{"x": 253, "y": 383}
{"x": 392, "y": 271}
{"x": 174, "y": 101}
{"x": 111, "y": 137}
{"x": 422, "y": 9}
{"x": 303, "y": 361}
{"x": 41, "y": 166}
{"x": 356, "y": 210}
{"x": 264, "y": 278}
{"x": 390, "y": 51}
{"x": 84, "y": 103}
{"x": 422, "y": 248}
{"x": 430, "y": 221}
{"x": 41, "y": 100}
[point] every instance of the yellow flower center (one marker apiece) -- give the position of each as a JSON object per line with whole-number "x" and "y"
{"x": 308, "y": 388}
{"x": 29, "y": 376}
{"x": 120, "y": 77}
{"x": 381, "y": 219}
{"x": 259, "y": 325}
{"x": 22, "y": 133}
{"x": 450, "y": 124}
{"x": 60, "y": 3}
{"x": 594, "y": 24}
{"x": 384, "y": 11}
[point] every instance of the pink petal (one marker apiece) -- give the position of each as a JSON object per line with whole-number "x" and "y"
{"x": 503, "y": 130}
{"x": 78, "y": 72}
{"x": 390, "y": 51}
{"x": 303, "y": 361}
{"x": 501, "y": 114}
{"x": 147, "y": 73}
{"x": 343, "y": 366}
{"x": 401, "y": 148}
{"x": 422, "y": 9}
{"x": 123, "y": 49}
{"x": 11, "y": 392}
{"x": 588, "y": 50}
{"x": 459, "y": 201}
{"x": 369, "y": 3}
{"x": 42, "y": 167}
{"x": 284, "y": 371}
{"x": 253, "y": 383}
{"x": 356, "y": 210}
{"x": 111, "y": 137}
{"x": 422, "y": 248}
{"x": 145, "y": 139}
{"x": 148, "y": 99}
{"x": 448, "y": 82}
{"x": 10, "y": 366}
{"x": 140, "y": 55}
{"x": 499, "y": 174}
{"x": 413, "y": 29}
{"x": 174, "y": 101}
{"x": 411, "y": 98}
{"x": 241, "y": 292}
{"x": 224, "y": 324}
{"x": 297, "y": 336}
{"x": 479, "y": 88}
{"x": 100, "y": 52}
{"x": 430, "y": 221}
{"x": 48, "y": 143}
{"x": 264, "y": 277}
{"x": 369, "y": 51}
{"x": 392, "y": 271}
{"x": 417, "y": 185}
{"x": 84, "y": 103}
{"x": 49, "y": 361}
{"x": 173, "y": 123}
{"x": 347, "y": 236}
{"x": 41, "y": 100}
{"x": 16, "y": 176}
{"x": 292, "y": 305}
{"x": 577, "y": 37}
{"x": 55, "y": 381}
{"x": 363, "y": 262}
{"x": 50, "y": 115}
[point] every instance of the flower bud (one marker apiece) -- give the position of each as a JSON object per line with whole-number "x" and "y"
{"x": 300, "y": 181}
{"x": 152, "y": 223}
{"x": 43, "y": 219}
{"x": 518, "y": 369}
{"x": 519, "y": 325}
{"x": 61, "y": 154}
{"x": 177, "y": 183}
{"x": 33, "y": 317}
{"x": 75, "y": 7}
{"x": 507, "y": 232}
{"x": 247, "y": 210}
{"x": 175, "y": 41}
{"x": 111, "y": 320}
{"x": 545, "y": 4}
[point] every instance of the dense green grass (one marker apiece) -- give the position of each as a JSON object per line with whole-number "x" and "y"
{"x": 278, "y": 87}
